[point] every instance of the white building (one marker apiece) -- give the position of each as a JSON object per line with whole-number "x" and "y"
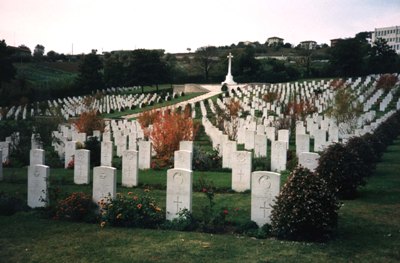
{"x": 274, "y": 41}
{"x": 390, "y": 34}
{"x": 309, "y": 44}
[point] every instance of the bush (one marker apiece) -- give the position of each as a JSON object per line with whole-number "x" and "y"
{"x": 377, "y": 145}
{"x": 184, "y": 222}
{"x": 9, "y": 205}
{"x": 362, "y": 149}
{"x": 76, "y": 207}
{"x": 206, "y": 161}
{"x": 88, "y": 122}
{"x": 305, "y": 209}
{"x": 224, "y": 88}
{"x": 94, "y": 146}
{"x": 131, "y": 211}
{"x": 342, "y": 170}
{"x": 261, "y": 164}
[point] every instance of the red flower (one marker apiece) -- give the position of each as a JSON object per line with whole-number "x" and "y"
{"x": 139, "y": 206}
{"x": 204, "y": 190}
{"x": 225, "y": 211}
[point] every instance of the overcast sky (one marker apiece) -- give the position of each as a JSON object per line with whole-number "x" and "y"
{"x": 175, "y": 25}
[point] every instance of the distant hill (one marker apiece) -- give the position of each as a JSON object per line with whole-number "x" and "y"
{"x": 38, "y": 74}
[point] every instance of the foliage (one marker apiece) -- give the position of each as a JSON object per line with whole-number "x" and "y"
{"x": 342, "y": 169}
{"x": 9, "y": 205}
{"x": 89, "y": 121}
{"x": 130, "y": 211}
{"x": 205, "y": 60}
{"x": 147, "y": 118}
{"x": 212, "y": 220}
{"x": 386, "y": 82}
{"x": 361, "y": 148}
{"x": 94, "y": 146}
{"x": 305, "y": 209}
{"x": 261, "y": 164}
{"x": 224, "y": 88}
{"x": 345, "y": 108}
{"x": 300, "y": 110}
{"x": 90, "y": 77}
{"x": 383, "y": 58}
{"x": 7, "y": 70}
{"x": 227, "y": 119}
{"x": 78, "y": 206}
{"x": 169, "y": 129}
{"x": 206, "y": 161}
{"x": 271, "y": 96}
{"x": 184, "y": 222}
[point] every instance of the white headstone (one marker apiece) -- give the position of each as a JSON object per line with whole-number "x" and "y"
{"x": 319, "y": 140}
{"x": 241, "y": 171}
{"x": 38, "y": 177}
{"x": 144, "y": 154}
{"x": 70, "y": 148}
{"x": 106, "y": 153}
{"x": 130, "y": 168}
{"x": 249, "y": 139}
{"x": 309, "y": 160}
{"x": 183, "y": 160}
{"x": 270, "y": 132}
{"x": 302, "y": 143}
{"x": 260, "y": 145}
{"x": 36, "y": 157}
{"x": 104, "y": 182}
{"x": 82, "y": 167}
{"x": 186, "y": 146}
{"x": 283, "y": 136}
{"x": 264, "y": 189}
{"x": 227, "y": 152}
{"x": 278, "y": 156}
{"x": 179, "y": 192}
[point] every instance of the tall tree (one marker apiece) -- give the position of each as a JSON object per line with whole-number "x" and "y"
{"x": 205, "y": 58}
{"x": 7, "y": 70}
{"x": 38, "y": 52}
{"x": 90, "y": 77}
{"x": 383, "y": 59}
{"x": 347, "y": 57}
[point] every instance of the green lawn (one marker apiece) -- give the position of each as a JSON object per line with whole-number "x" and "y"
{"x": 369, "y": 229}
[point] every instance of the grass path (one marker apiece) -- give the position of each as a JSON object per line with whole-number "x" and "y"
{"x": 369, "y": 231}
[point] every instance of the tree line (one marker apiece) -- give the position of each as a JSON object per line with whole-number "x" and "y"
{"x": 251, "y": 63}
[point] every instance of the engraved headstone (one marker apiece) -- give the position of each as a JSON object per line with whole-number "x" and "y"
{"x": 82, "y": 167}
{"x": 241, "y": 171}
{"x": 260, "y": 145}
{"x": 144, "y": 154}
{"x": 309, "y": 160}
{"x": 36, "y": 156}
{"x": 183, "y": 160}
{"x": 38, "y": 177}
{"x": 302, "y": 143}
{"x": 278, "y": 156}
{"x": 106, "y": 153}
{"x": 130, "y": 168}
{"x": 179, "y": 192}
{"x": 70, "y": 148}
{"x": 104, "y": 182}
{"x": 264, "y": 189}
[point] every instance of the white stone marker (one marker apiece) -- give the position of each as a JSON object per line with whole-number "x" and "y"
{"x": 270, "y": 132}
{"x": 241, "y": 171}
{"x": 186, "y": 146}
{"x": 260, "y": 145}
{"x": 179, "y": 192}
{"x": 278, "y": 156}
{"x": 227, "y": 152}
{"x": 183, "y": 160}
{"x": 302, "y": 143}
{"x": 265, "y": 187}
{"x": 38, "y": 177}
{"x": 106, "y": 153}
{"x": 319, "y": 140}
{"x": 144, "y": 154}
{"x": 283, "y": 136}
{"x": 82, "y": 167}
{"x": 70, "y": 148}
{"x": 5, "y": 147}
{"x": 309, "y": 160}
{"x": 104, "y": 182}
{"x": 36, "y": 156}
{"x": 130, "y": 168}
{"x": 249, "y": 139}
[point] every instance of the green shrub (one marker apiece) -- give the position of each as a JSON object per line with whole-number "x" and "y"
{"x": 52, "y": 159}
{"x": 76, "y": 207}
{"x": 377, "y": 145}
{"x": 261, "y": 164}
{"x": 224, "y": 88}
{"x": 131, "y": 211}
{"x": 184, "y": 222}
{"x": 94, "y": 146}
{"x": 342, "y": 169}
{"x": 9, "y": 205}
{"x": 206, "y": 161}
{"x": 362, "y": 149}
{"x": 305, "y": 209}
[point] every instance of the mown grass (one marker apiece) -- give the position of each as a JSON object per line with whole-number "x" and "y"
{"x": 120, "y": 114}
{"x": 368, "y": 231}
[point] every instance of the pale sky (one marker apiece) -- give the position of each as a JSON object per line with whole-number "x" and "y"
{"x": 175, "y": 25}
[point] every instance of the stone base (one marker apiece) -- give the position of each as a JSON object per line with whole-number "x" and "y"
{"x": 229, "y": 80}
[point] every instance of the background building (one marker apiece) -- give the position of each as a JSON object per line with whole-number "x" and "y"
{"x": 309, "y": 44}
{"x": 274, "y": 41}
{"x": 390, "y": 34}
